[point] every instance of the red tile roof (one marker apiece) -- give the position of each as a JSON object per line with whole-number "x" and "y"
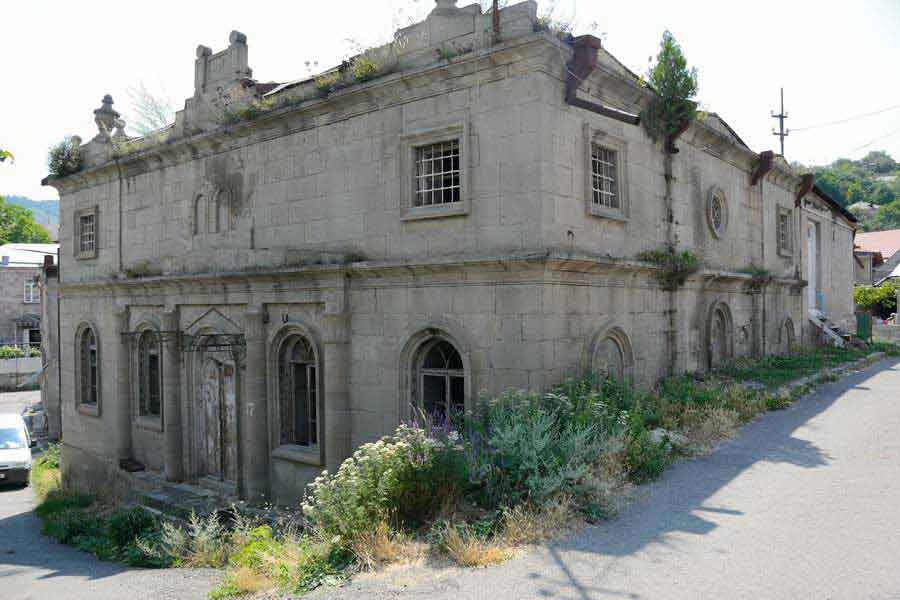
{"x": 886, "y": 242}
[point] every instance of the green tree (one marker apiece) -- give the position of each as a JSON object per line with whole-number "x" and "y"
{"x": 675, "y": 85}
{"x": 17, "y": 225}
{"x": 887, "y": 217}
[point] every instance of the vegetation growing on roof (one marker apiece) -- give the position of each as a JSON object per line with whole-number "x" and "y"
{"x": 675, "y": 86}
{"x": 65, "y": 157}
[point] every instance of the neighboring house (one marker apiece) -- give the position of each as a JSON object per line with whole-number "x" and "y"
{"x": 243, "y": 305}
{"x": 20, "y": 297}
{"x": 863, "y": 209}
{"x": 886, "y": 243}
{"x": 866, "y": 263}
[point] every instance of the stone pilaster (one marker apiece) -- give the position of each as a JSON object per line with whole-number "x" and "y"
{"x": 123, "y": 385}
{"x": 171, "y": 351}
{"x": 254, "y": 410}
{"x": 336, "y": 366}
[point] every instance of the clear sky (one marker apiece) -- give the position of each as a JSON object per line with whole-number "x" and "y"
{"x": 835, "y": 58}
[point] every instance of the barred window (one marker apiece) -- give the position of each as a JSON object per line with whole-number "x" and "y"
{"x": 784, "y": 231}
{"x": 437, "y": 174}
{"x": 87, "y": 234}
{"x": 32, "y": 293}
{"x": 604, "y": 177}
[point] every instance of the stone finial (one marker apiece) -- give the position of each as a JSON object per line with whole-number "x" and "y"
{"x": 444, "y": 7}
{"x": 203, "y": 51}
{"x": 120, "y": 130}
{"x": 105, "y": 117}
{"x": 236, "y": 37}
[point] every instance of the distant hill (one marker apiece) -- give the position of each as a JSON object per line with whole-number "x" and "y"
{"x": 46, "y": 212}
{"x": 871, "y": 185}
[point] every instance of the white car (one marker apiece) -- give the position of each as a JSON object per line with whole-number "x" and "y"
{"x": 15, "y": 449}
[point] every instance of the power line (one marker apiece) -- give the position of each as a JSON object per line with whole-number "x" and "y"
{"x": 848, "y": 119}
{"x": 878, "y": 139}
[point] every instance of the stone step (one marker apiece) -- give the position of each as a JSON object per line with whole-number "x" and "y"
{"x": 179, "y": 503}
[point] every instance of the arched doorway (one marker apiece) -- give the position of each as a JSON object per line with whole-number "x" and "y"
{"x": 788, "y": 336}
{"x": 720, "y": 336}
{"x": 216, "y": 417}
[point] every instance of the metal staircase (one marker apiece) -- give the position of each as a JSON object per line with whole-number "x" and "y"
{"x": 833, "y": 333}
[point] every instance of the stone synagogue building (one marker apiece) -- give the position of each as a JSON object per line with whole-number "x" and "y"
{"x": 286, "y": 270}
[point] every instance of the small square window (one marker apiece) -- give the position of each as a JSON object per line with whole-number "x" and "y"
{"x": 604, "y": 177}
{"x": 434, "y": 173}
{"x": 437, "y": 174}
{"x": 605, "y": 174}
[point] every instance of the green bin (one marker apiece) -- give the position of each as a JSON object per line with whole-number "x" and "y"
{"x": 864, "y": 326}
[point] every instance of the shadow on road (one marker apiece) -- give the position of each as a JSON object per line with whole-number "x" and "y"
{"x": 676, "y": 502}
{"x": 24, "y": 548}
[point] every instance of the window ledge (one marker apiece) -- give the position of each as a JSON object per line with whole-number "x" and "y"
{"x": 90, "y": 410}
{"x": 298, "y": 454}
{"x": 149, "y": 423}
{"x": 453, "y": 209}
{"x": 608, "y": 213}
{"x": 785, "y": 253}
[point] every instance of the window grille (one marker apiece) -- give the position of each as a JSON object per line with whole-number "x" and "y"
{"x": 437, "y": 174}
{"x": 604, "y": 177}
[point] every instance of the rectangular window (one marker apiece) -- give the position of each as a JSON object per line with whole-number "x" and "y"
{"x": 437, "y": 174}
{"x": 87, "y": 237}
{"x": 32, "y": 292}
{"x": 604, "y": 177}
{"x": 783, "y": 231}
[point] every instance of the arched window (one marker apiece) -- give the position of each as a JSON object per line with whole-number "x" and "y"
{"x": 199, "y": 215}
{"x": 148, "y": 375}
{"x": 612, "y": 356}
{"x": 298, "y": 397}
{"x": 441, "y": 380}
{"x": 88, "y": 375}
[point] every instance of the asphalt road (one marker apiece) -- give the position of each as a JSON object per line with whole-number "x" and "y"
{"x": 34, "y": 568}
{"x": 803, "y": 503}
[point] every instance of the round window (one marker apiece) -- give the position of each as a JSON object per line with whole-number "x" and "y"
{"x": 717, "y": 212}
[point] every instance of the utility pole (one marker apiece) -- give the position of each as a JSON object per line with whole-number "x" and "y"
{"x": 781, "y": 116}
